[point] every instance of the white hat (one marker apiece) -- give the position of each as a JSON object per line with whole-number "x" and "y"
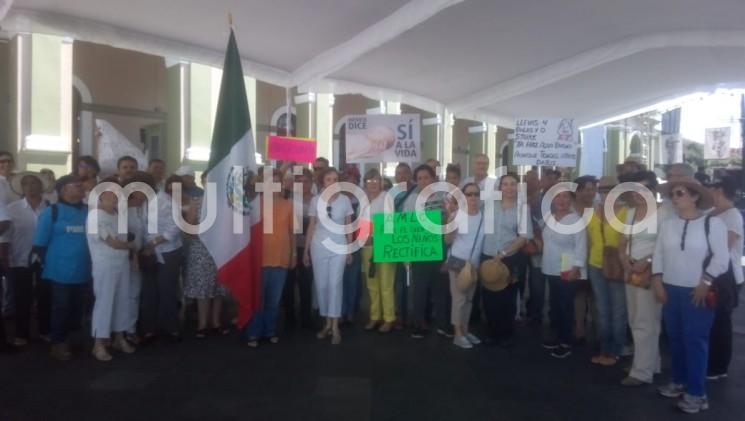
{"x": 184, "y": 170}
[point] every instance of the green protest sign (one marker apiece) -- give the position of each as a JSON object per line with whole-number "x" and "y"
{"x": 409, "y": 241}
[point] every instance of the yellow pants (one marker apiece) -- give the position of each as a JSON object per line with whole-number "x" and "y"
{"x": 380, "y": 288}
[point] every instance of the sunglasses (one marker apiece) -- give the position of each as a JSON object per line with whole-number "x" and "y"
{"x": 328, "y": 211}
{"x": 472, "y": 194}
{"x": 372, "y": 180}
{"x": 678, "y": 193}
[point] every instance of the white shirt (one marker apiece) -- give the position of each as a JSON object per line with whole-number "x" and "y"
{"x": 469, "y": 236}
{"x": 732, "y": 219}
{"x": 6, "y": 194}
{"x": 340, "y": 208}
{"x": 167, "y": 228}
{"x": 4, "y": 237}
{"x": 641, "y": 245}
{"x": 684, "y": 268}
{"x": 21, "y": 232}
{"x": 102, "y": 253}
{"x": 482, "y": 184}
{"x": 571, "y": 247}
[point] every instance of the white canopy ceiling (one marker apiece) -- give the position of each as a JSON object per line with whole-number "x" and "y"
{"x": 492, "y": 60}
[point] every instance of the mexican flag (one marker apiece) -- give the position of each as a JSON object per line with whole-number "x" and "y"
{"x": 231, "y": 172}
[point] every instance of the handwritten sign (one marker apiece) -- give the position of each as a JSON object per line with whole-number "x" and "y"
{"x": 409, "y": 241}
{"x": 297, "y": 149}
{"x": 550, "y": 142}
{"x": 716, "y": 145}
{"x": 383, "y": 138}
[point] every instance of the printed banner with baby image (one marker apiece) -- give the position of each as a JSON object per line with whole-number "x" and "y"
{"x": 383, "y": 138}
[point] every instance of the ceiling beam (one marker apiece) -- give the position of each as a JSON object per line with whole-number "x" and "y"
{"x": 29, "y": 21}
{"x": 410, "y": 15}
{"x": 590, "y": 59}
{"x": 4, "y": 7}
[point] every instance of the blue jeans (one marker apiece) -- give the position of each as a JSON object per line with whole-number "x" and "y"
{"x": 352, "y": 281}
{"x": 562, "y": 308}
{"x": 687, "y": 328}
{"x": 67, "y": 309}
{"x": 264, "y": 322}
{"x": 610, "y": 299}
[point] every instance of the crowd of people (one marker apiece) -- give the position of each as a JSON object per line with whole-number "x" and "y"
{"x": 502, "y": 266}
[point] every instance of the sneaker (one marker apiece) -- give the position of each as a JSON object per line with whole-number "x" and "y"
{"x": 444, "y": 332}
{"x": 418, "y": 333}
{"x": 473, "y": 339}
{"x": 551, "y": 344}
{"x": 716, "y": 376}
{"x": 563, "y": 351}
{"x": 462, "y": 342}
{"x": 632, "y": 382}
{"x": 672, "y": 390}
{"x": 693, "y": 404}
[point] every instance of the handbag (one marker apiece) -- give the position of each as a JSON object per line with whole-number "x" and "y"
{"x": 641, "y": 279}
{"x": 467, "y": 275}
{"x": 612, "y": 267}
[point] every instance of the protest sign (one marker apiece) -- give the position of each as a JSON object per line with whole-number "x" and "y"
{"x": 297, "y": 149}
{"x": 383, "y": 138}
{"x": 409, "y": 241}
{"x": 717, "y": 143}
{"x": 549, "y": 142}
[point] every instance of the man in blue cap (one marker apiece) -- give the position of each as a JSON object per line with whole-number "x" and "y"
{"x": 61, "y": 245}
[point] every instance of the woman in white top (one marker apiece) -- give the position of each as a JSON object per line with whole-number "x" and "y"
{"x": 110, "y": 255}
{"x": 328, "y": 264}
{"x": 160, "y": 294}
{"x": 563, "y": 263}
{"x": 465, "y": 245}
{"x": 720, "y": 341}
{"x": 644, "y": 311}
{"x": 691, "y": 251}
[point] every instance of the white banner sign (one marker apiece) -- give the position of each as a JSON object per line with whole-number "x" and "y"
{"x": 717, "y": 143}
{"x": 383, "y": 138}
{"x": 549, "y": 142}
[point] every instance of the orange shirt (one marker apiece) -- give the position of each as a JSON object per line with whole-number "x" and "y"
{"x": 276, "y": 246}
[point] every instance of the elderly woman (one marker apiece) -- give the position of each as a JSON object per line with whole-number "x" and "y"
{"x": 380, "y": 276}
{"x": 691, "y": 251}
{"x": 563, "y": 263}
{"x": 636, "y": 250}
{"x": 328, "y": 265}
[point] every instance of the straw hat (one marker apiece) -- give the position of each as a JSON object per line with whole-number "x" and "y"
{"x": 607, "y": 183}
{"x": 494, "y": 275}
{"x": 705, "y": 201}
{"x": 16, "y": 179}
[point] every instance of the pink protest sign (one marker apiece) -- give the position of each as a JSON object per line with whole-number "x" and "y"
{"x": 297, "y": 149}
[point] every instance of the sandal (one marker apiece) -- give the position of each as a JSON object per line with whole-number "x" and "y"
{"x": 323, "y": 333}
{"x": 274, "y": 340}
{"x": 253, "y": 342}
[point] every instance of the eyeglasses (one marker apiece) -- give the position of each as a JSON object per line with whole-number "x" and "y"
{"x": 472, "y": 194}
{"x": 328, "y": 211}
{"x": 678, "y": 193}
{"x": 372, "y": 180}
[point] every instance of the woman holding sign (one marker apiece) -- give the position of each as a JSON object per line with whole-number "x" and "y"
{"x": 564, "y": 257}
{"x": 328, "y": 264}
{"x": 380, "y": 276}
